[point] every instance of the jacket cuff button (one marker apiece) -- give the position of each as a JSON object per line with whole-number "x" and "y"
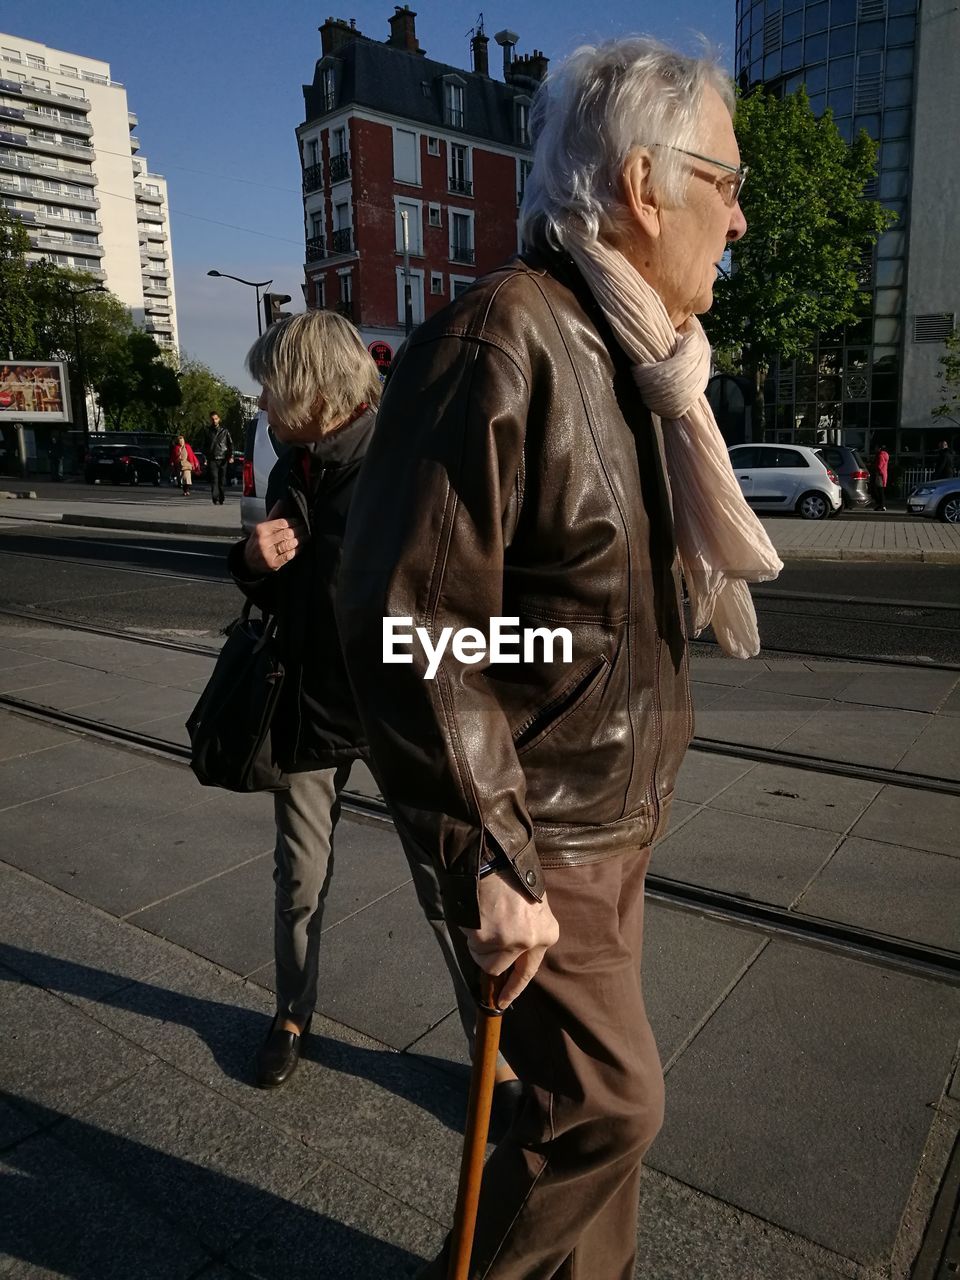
{"x": 531, "y": 878}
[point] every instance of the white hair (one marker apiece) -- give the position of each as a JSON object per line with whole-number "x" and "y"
{"x": 603, "y": 103}
{"x": 314, "y": 365}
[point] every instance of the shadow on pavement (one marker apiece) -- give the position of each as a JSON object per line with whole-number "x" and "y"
{"x": 78, "y": 1201}
{"x": 232, "y": 1034}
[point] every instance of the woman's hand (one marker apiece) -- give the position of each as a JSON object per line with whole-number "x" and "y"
{"x": 274, "y": 543}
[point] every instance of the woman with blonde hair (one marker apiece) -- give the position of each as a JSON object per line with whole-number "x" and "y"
{"x": 322, "y": 389}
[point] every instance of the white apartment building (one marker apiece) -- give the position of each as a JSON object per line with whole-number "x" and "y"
{"x": 71, "y": 170}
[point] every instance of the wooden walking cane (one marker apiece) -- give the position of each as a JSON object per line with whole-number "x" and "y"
{"x": 478, "y": 1123}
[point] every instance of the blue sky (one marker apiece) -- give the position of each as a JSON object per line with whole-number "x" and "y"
{"x": 217, "y": 88}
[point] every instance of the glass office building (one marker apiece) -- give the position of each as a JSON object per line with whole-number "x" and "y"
{"x": 890, "y": 67}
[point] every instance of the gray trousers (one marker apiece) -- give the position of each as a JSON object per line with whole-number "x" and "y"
{"x": 306, "y": 817}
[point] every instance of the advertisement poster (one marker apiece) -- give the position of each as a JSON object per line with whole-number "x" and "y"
{"x": 34, "y": 391}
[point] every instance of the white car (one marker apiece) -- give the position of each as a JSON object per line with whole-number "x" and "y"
{"x": 260, "y": 456}
{"x": 786, "y": 477}
{"x": 939, "y": 499}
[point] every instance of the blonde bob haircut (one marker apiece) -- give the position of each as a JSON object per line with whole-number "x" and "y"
{"x": 315, "y": 368}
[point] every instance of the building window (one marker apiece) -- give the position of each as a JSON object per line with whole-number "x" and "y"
{"x": 11, "y": 55}
{"x": 414, "y": 234}
{"x": 67, "y": 71}
{"x": 453, "y": 104}
{"x": 523, "y": 173}
{"x": 342, "y": 230}
{"x": 436, "y": 282}
{"x": 313, "y": 151}
{"x": 433, "y": 146}
{"x": 339, "y": 155}
{"x": 35, "y": 60}
{"x": 459, "y": 180}
{"x": 461, "y": 237}
{"x": 328, "y": 88}
{"x": 523, "y": 122}
{"x": 319, "y": 292}
{"x": 416, "y": 297}
{"x": 406, "y": 156}
{"x": 459, "y": 285}
{"x": 435, "y": 216}
{"x": 346, "y": 286}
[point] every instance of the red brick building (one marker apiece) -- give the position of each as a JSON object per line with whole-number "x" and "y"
{"x": 387, "y": 132}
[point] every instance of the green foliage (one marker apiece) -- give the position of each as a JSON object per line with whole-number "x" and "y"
{"x": 17, "y": 312}
{"x": 203, "y": 393}
{"x": 139, "y": 389}
{"x": 949, "y": 378}
{"x": 796, "y": 272}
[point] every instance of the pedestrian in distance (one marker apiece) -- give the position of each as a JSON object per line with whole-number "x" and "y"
{"x": 322, "y": 389}
{"x": 946, "y": 466}
{"x": 55, "y": 455}
{"x": 529, "y": 440}
{"x": 219, "y": 457}
{"x": 879, "y": 473}
{"x": 183, "y": 462}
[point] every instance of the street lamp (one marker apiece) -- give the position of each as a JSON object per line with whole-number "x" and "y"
{"x": 73, "y": 295}
{"x": 254, "y": 284}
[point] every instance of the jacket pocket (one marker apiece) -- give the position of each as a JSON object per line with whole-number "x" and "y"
{"x": 561, "y": 705}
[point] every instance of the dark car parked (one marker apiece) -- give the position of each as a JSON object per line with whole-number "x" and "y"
{"x": 115, "y": 464}
{"x": 852, "y": 472}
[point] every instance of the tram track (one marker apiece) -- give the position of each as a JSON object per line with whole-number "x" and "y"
{"x": 885, "y": 949}
{"x": 932, "y": 783}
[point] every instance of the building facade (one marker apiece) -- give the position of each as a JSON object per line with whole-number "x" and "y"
{"x": 890, "y": 67}
{"x": 71, "y": 170}
{"x": 391, "y": 140}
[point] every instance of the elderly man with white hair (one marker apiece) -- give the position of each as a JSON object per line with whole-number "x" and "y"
{"x": 545, "y": 454}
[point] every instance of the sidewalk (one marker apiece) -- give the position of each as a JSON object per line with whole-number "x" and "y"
{"x": 809, "y": 1118}
{"x": 858, "y": 536}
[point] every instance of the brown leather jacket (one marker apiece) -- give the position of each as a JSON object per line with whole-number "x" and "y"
{"x": 514, "y": 472}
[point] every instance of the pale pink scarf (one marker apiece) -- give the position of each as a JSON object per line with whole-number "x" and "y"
{"x": 721, "y": 543}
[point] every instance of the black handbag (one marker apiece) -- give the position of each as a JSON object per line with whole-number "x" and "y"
{"x": 229, "y": 727}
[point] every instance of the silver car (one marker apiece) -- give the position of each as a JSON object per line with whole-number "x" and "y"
{"x": 938, "y": 499}
{"x": 260, "y": 453}
{"x": 786, "y": 477}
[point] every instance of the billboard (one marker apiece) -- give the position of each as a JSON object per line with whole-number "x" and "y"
{"x": 34, "y": 391}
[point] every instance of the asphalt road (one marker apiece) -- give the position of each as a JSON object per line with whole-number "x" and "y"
{"x": 178, "y": 587}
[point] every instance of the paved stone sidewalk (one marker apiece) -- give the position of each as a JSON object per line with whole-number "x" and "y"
{"x": 808, "y": 1114}
{"x": 854, "y": 537}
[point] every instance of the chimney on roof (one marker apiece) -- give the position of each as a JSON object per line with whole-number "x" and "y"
{"x": 478, "y": 47}
{"x": 335, "y": 33}
{"x": 530, "y": 66}
{"x": 507, "y": 40}
{"x": 403, "y": 30}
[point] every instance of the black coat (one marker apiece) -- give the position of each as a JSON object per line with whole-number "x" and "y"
{"x": 316, "y": 725}
{"x": 946, "y": 467}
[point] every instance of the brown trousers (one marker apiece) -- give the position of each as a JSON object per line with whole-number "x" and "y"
{"x": 560, "y": 1192}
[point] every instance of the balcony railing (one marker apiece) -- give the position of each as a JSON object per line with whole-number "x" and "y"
{"x": 342, "y": 241}
{"x": 43, "y": 140}
{"x": 460, "y": 186}
{"x": 66, "y": 244}
{"x": 339, "y": 168}
{"x": 316, "y": 248}
{"x": 463, "y": 253}
{"x": 313, "y": 177}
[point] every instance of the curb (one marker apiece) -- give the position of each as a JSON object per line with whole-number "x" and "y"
{"x": 884, "y": 555}
{"x": 144, "y": 526}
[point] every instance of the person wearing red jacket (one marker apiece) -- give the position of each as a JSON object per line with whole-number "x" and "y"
{"x": 881, "y": 463}
{"x": 184, "y": 460}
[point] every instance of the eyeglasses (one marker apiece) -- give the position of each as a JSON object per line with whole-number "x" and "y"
{"x": 729, "y": 188}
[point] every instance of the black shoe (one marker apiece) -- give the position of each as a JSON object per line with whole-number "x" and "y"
{"x": 507, "y": 1100}
{"x": 279, "y": 1056}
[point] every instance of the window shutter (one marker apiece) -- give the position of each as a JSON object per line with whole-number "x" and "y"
{"x": 935, "y": 327}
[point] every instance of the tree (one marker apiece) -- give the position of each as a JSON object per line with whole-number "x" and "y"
{"x": 203, "y": 393}
{"x": 797, "y": 273}
{"x": 139, "y": 389}
{"x": 17, "y": 311}
{"x": 949, "y": 378}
